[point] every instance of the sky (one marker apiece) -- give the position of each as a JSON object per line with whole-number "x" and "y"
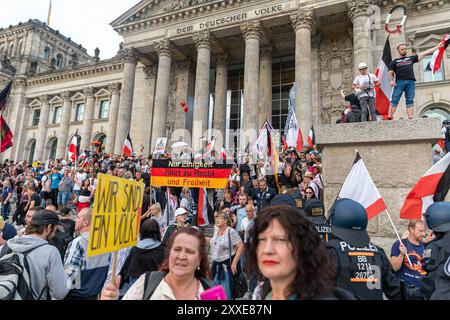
{"x": 87, "y": 22}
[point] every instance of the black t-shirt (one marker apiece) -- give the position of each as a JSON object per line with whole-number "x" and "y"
{"x": 37, "y": 200}
{"x": 353, "y": 99}
{"x": 403, "y": 67}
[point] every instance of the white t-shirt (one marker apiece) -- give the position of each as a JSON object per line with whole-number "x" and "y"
{"x": 367, "y": 81}
{"x": 79, "y": 177}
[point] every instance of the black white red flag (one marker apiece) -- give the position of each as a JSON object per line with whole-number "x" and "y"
{"x": 360, "y": 187}
{"x": 202, "y": 208}
{"x": 4, "y": 96}
{"x": 384, "y": 91}
{"x": 127, "y": 147}
{"x": 311, "y": 138}
{"x": 436, "y": 60}
{"x": 432, "y": 187}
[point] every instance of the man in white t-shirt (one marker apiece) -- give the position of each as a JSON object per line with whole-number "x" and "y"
{"x": 80, "y": 176}
{"x": 365, "y": 84}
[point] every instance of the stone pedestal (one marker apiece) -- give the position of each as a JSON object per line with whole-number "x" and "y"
{"x": 396, "y": 153}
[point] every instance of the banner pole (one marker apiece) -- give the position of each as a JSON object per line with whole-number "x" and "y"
{"x": 114, "y": 267}
{"x": 396, "y": 233}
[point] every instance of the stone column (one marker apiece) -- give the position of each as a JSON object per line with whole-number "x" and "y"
{"x": 251, "y": 32}
{"x": 164, "y": 50}
{"x": 15, "y": 116}
{"x": 220, "y": 101}
{"x": 63, "y": 130}
{"x": 41, "y": 138}
{"x": 129, "y": 57}
{"x": 265, "y": 85}
{"x": 362, "y": 42}
{"x": 202, "y": 41}
{"x": 86, "y": 131}
{"x": 112, "y": 117}
{"x": 302, "y": 21}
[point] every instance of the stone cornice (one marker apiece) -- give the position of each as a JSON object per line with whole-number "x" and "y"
{"x": 358, "y": 8}
{"x": 181, "y": 14}
{"x": 421, "y": 5}
{"x": 251, "y": 29}
{"x": 302, "y": 18}
{"x": 107, "y": 66}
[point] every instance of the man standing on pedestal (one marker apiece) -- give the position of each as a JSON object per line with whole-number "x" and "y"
{"x": 405, "y": 80}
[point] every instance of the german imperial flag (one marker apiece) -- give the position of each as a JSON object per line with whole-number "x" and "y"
{"x": 6, "y": 135}
{"x": 4, "y": 96}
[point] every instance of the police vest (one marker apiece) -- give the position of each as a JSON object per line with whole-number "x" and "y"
{"x": 324, "y": 231}
{"x": 442, "y": 283}
{"x": 430, "y": 263}
{"x": 359, "y": 269}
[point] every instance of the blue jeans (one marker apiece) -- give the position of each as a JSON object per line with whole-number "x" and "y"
{"x": 6, "y": 210}
{"x": 407, "y": 86}
{"x": 63, "y": 198}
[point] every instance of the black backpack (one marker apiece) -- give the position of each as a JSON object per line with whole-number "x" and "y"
{"x": 15, "y": 280}
{"x": 154, "y": 278}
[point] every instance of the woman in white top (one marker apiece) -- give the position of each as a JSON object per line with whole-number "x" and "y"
{"x": 185, "y": 271}
{"x": 226, "y": 250}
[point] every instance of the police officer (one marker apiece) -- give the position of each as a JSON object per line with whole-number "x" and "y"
{"x": 437, "y": 217}
{"x": 315, "y": 213}
{"x": 442, "y": 291}
{"x": 362, "y": 267}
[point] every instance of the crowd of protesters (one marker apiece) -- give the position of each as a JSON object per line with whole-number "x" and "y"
{"x": 256, "y": 246}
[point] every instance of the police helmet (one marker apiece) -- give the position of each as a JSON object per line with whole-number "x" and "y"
{"x": 348, "y": 221}
{"x": 438, "y": 217}
{"x": 315, "y": 211}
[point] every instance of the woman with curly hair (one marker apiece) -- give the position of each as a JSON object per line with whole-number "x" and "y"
{"x": 290, "y": 256}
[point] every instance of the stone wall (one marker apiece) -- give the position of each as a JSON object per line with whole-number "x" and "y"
{"x": 396, "y": 154}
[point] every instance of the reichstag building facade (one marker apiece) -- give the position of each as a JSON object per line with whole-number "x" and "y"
{"x": 234, "y": 63}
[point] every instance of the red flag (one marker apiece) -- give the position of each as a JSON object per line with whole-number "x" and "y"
{"x": 73, "y": 148}
{"x": 285, "y": 145}
{"x": 6, "y": 135}
{"x": 384, "y": 91}
{"x": 432, "y": 187}
{"x": 127, "y": 147}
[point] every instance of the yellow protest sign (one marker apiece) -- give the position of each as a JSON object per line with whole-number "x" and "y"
{"x": 116, "y": 214}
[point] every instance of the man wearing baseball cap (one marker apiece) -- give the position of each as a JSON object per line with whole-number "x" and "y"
{"x": 365, "y": 84}
{"x": 180, "y": 219}
{"x": 47, "y": 277}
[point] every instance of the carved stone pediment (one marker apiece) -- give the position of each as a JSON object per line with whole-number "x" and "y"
{"x": 153, "y": 8}
{"x": 428, "y": 42}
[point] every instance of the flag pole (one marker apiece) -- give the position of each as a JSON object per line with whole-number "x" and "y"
{"x": 398, "y": 236}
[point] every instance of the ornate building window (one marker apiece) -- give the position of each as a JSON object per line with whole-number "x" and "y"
{"x": 428, "y": 75}
{"x": 235, "y": 106}
{"x": 57, "y": 115}
{"x": 104, "y": 109}
{"x": 437, "y": 110}
{"x": 36, "y": 116}
{"x": 59, "y": 60}
{"x": 79, "y": 114}
{"x": 53, "y": 148}
{"x": 46, "y": 53}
